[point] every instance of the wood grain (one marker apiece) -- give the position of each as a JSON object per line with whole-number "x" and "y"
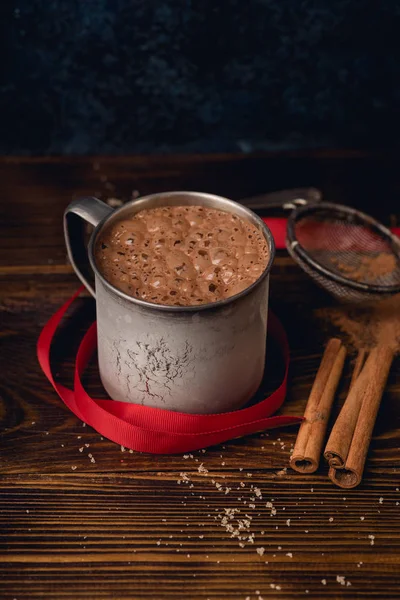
{"x": 122, "y": 526}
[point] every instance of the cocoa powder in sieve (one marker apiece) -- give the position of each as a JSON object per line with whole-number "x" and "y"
{"x": 370, "y": 324}
{"x": 369, "y": 268}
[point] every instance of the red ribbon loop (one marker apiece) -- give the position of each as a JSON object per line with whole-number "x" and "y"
{"x": 156, "y": 430}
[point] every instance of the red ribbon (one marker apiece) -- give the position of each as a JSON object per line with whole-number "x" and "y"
{"x": 156, "y": 430}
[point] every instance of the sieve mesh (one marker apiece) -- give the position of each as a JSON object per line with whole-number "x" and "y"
{"x": 345, "y": 251}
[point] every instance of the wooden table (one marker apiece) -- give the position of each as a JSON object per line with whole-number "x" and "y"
{"x": 82, "y": 519}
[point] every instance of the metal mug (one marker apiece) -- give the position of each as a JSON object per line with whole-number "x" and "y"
{"x": 200, "y": 359}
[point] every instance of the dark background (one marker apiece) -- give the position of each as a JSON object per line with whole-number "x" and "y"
{"x": 129, "y": 76}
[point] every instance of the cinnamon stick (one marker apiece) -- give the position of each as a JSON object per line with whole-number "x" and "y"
{"x": 370, "y": 386}
{"x": 358, "y": 365}
{"x": 338, "y": 445}
{"x": 307, "y": 450}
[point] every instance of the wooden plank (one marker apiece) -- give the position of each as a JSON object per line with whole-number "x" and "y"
{"x": 35, "y": 192}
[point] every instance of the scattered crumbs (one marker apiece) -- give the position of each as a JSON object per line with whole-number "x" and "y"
{"x": 307, "y": 591}
{"x": 362, "y": 518}
{"x": 306, "y": 531}
{"x": 158, "y": 543}
{"x": 79, "y": 437}
{"x": 323, "y": 581}
{"x": 249, "y": 475}
{"x": 341, "y": 579}
{"x": 33, "y": 422}
{"x": 312, "y": 489}
{"x": 184, "y": 478}
{"x": 330, "y": 519}
{"x": 260, "y": 551}
{"x": 240, "y": 468}
{"x": 289, "y": 554}
{"x": 381, "y": 500}
{"x": 83, "y": 424}
{"x": 46, "y": 432}
{"x": 122, "y": 448}
{"x": 288, "y": 522}
{"x": 359, "y": 564}
{"x": 87, "y": 445}
{"x": 201, "y": 469}
{"x": 62, "y": 445}
{"x": 257, "y": 492}
{"x": 130, "y": 451}
{"x": 282, "y": 471}
{"x": 185, "y": 456}
{"x": 372, "y": 539}
{"x": 27, "y": 511}
{"x": 73, "y": 468}
{"x": 275, "y": 587}
{"x": 81, "y": 449}
{"x": 222, "y": 464}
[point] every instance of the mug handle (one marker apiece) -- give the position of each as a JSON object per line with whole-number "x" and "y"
{"x": 93, "y": 211}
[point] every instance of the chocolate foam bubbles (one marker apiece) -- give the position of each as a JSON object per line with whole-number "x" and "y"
{"x": 182, "y": 255}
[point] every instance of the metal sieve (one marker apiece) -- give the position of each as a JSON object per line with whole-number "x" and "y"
{"x": 350, "y": 254}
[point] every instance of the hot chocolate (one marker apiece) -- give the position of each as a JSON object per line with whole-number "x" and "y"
{"x": 182, "y": 255}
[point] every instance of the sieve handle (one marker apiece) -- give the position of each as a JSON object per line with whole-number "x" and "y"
{"x": 282, "y": 198}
